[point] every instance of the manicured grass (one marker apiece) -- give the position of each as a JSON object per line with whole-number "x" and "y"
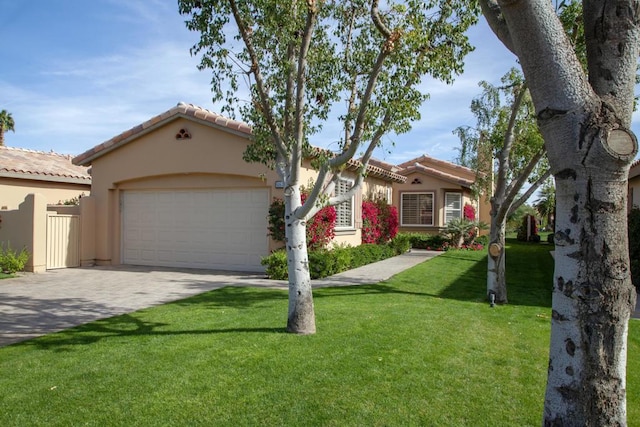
{"x": 422, "y": 349}
{"x": 6, "y": 276}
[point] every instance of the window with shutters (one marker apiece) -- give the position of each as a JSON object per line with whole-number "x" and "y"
{"x": 344, "y": 211}
{"x": 416, "y": 209}
{"x": 452, "y": 206}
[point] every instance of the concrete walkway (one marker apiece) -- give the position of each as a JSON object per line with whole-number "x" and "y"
{"x": 37, "y": 304}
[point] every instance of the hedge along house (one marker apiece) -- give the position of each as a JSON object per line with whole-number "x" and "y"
{"x": 175, "y": 191}
{"x": 435, "y": 191}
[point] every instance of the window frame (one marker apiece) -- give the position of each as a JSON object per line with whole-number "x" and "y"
{"x": 352, "y": 203}
{"x": 446, "y": 208}
{"x": 417, "y": 194}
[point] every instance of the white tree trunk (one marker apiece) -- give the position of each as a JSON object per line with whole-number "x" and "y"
{"x": 583, "y": 119}
{"x": 301, "y": 314}
{"x": 496, "y": 268}
{"x": 592, "y": 295}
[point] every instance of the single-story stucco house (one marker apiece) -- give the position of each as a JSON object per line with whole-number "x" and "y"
{"x": 175, "y": 191}
{"x": 434, "y": 192}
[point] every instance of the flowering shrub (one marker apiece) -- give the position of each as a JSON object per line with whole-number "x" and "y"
{"x": 469, "y": 212}
{"x": 379, "y": 221}
{"x": 320, "y": 229}
{"x": 371, "y": 230}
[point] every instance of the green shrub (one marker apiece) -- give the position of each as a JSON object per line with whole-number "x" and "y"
{"x": 276, "y": 265}
{"x": 433, "y": 242}
{"x": 12, "y": 261}
{"x": 483, "y": 240}
{"x": 324, "y": 262}
{"x": 401, "y": 243}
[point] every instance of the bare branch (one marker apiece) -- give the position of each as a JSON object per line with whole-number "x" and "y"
{"x": 516, "y": 204}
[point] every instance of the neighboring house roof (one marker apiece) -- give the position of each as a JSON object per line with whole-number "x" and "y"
{"x": 41, "y": 166}
{"x": 635, "y": 169}
{"x": 204, "y": 116}
{"x": 427, "y": 165}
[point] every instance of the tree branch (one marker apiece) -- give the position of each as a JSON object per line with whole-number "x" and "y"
{"x": 265, "y": 104}
{"x": 305, "y": 42}
{"x": 515, "y": 205}
{"x": 377, "y": 21}
{"x": 493, "y": 15}
{"x": 385, "y": 51}
{"x": 612, "y": 70}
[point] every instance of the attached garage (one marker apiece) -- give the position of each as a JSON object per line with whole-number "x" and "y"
{"x": 211, "y": 229}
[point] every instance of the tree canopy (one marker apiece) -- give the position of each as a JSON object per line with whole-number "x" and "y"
{"x": 349, "y": 69}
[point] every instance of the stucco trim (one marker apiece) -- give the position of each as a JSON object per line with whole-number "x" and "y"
{"x": 46, "y": 178}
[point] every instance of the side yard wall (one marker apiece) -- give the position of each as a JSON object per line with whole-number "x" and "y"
{"x": 25, "y": 227}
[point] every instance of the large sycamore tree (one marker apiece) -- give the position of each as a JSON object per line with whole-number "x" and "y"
{"x": 506, "y": 131}
{"x": 585, "y": 119}
{"x": 290, "y": 67}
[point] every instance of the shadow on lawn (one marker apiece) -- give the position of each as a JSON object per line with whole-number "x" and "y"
{"x": 529, "y": 275}
{"x": 123, "y": 326}
{"x": 24, "y": 318}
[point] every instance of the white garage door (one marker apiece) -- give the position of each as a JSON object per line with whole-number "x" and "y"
{"x": 213, "y": 229}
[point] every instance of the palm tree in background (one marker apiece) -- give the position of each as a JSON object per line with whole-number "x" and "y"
{"x": 6, "y": 123}
{"x": 546, "y": 204}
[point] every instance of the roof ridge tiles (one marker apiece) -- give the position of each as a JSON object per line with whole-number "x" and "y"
{"x": 30, "y": 150}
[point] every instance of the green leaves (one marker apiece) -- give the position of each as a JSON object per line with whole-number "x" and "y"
{"x": 262, "y": 70}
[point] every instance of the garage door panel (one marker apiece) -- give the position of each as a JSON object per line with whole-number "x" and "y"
{"x": 222, "y": 229}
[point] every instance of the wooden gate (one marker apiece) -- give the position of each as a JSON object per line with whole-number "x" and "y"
{"x": 63, "y": 241}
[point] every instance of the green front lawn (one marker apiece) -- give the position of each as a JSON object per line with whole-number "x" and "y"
{"x": 422, "y": 349}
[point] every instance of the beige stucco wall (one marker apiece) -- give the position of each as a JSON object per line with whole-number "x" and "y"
{"x": 431, "y": 184}
{"x": 14, "y": 190}
{"x": 26, "y": 227}
{"x": 371, "y": 187}
{"x": 211, "y": 159}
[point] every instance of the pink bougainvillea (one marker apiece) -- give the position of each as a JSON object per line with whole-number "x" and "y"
{"x": 469, "y": 212}
{"x": 320, "y": 229}
{"x": 371, "y": 230}
{"x": 379, "y": 221}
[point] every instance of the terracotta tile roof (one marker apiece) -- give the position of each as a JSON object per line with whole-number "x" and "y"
{"x": 428, "y": 159}
{"x": 189, "y": 111}
{"x": 41, "y": 166}
{"x": 193, "y": 112}
{"x": 384, "y": 165}
{"x": 439, "y": 168}
{"x": 417, "y": 167}
{"x": 377, "y": 171}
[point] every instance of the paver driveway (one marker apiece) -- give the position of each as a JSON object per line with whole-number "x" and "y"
{"x": 36, "y": 304}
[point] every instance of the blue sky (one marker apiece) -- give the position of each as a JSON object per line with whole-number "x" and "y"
{"x": 75, "y": 73}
